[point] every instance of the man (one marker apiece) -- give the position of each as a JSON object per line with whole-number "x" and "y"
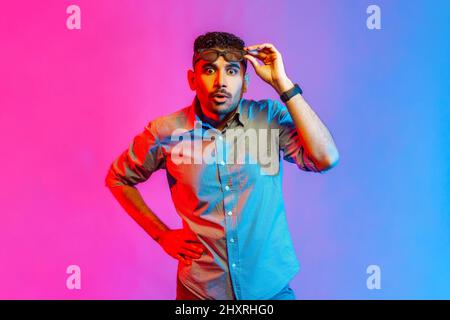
{"x": 235, "y": 242}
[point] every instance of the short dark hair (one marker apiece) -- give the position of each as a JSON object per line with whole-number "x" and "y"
{"x": 222, "y": 40}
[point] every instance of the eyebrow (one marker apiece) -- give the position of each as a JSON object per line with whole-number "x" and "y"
{"x": 231, "y": 64}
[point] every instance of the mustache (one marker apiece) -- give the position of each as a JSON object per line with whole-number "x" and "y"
{"x": 223, "y": 92}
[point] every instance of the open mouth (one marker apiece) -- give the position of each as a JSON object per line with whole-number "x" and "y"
{"x": 220, "y": 97}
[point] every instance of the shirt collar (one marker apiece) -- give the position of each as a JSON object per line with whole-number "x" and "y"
{"x": 194, "y": 110}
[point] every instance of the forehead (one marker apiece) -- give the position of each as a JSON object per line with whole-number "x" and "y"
{"x": 220, "y": 62}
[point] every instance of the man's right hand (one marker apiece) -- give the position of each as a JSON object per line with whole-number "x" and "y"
{"x": 181, "y": 245}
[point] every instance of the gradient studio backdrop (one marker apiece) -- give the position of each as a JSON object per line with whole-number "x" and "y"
{"x": 72, "y": 100}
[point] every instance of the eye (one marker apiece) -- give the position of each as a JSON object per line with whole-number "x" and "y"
{"x": 232, "y": 71}
{"x": 209, "y": 70}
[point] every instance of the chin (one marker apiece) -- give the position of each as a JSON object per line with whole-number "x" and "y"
{"x": 221, "y": 108}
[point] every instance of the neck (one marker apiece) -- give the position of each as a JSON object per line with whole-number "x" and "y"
{"x": 218, "y": 121}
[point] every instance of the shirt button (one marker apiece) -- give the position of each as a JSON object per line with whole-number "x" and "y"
{"x": 234, "y": 265}
{"x": 229, "y": 213}
{"x": 231, "y": 240}
{"x": 227, "y": 188}
{"x": 222, "y": 163}
{"x": 220, "y": 138}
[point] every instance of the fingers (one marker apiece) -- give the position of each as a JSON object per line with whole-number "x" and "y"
{"x": 266, "y": 47}
{"x": 195, "y": 241}
{"x": 266, "y": 52}
{"x": 190, "y": 254}
{"x": 194, "y": 247}
{"x": 258, "y": 54}
{"x": 186, "y": 255}
{"x": 187, "y": 246}
{"x": 253, "y": 61}
{"x": 191, "y": 241}
{"x": 183, "y": 259}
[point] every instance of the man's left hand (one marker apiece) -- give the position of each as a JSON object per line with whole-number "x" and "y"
{"x": 272, "y": 71}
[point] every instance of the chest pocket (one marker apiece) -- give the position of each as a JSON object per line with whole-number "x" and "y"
{"x": 252, "y": 153}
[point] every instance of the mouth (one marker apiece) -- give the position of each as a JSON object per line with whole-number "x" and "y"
{"x": 220, "y": 98}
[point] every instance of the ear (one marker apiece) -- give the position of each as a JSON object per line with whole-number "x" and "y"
{"x": 191, "y": 80}
{"x": 246, "y": 83}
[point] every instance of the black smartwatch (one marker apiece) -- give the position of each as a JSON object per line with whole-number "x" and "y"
{"x": 285, "y": 96}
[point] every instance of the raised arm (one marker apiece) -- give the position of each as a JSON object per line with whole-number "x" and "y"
{"x": 313, "y": 135}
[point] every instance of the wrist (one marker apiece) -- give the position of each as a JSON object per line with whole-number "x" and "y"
{"x": 159, "y": 235}
{"x": 283, "y": 86}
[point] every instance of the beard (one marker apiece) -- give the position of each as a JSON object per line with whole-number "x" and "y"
{"x": 225, "y": 107}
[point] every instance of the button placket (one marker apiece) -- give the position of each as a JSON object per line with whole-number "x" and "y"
{"x": 229, "y": 205}
{"x": 233, "y": 248}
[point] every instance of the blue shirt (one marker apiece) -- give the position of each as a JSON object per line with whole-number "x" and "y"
{"x": 234, "y": 207}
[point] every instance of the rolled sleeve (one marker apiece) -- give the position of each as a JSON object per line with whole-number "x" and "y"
{"x": 289, "y": 142}
{"x": 136, "y": 164}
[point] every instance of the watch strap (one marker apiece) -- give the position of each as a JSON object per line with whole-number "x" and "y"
{"x": 287, "y": 95}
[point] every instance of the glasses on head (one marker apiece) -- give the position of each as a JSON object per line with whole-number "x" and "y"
{"x": 211, "y": 55}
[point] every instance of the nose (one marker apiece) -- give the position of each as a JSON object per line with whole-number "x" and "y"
{"x": 220, "y": 79}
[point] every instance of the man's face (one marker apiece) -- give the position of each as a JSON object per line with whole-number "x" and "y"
{"x": 219, "y": 84}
